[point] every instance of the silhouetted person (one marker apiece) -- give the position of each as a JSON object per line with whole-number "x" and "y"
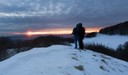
{"x": 79, "y": 33}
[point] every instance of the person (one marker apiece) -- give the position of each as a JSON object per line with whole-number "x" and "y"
{"x": 79, "y": 33}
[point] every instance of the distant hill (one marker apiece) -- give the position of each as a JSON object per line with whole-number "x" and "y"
{"x": 121, "y": 28}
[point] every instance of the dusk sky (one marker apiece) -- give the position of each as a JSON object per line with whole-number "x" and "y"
{"x": 39, "y": 15}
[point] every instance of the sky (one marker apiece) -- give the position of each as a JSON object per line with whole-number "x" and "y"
{"x": 17, "y": 16}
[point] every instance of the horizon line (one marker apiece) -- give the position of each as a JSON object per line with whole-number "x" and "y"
{"x": 51, "y": 31}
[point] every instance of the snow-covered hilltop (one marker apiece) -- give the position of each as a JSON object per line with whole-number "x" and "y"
{"x": 62, "y": 60}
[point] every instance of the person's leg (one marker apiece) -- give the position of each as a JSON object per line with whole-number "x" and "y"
{"x": 75, "y": 41}
{"x": 81, "y": 44}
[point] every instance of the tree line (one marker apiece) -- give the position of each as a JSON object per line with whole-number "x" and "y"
{"x": 16, "y": 46}
{"x": 121, "y": 52}
{"x": 121, "y": 29}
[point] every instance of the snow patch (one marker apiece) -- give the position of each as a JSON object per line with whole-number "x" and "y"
{"x": 111, "y": 41}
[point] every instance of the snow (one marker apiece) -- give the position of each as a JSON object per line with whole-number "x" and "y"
{"x": 62, "y": 60}
{"x": 111, "y": 41}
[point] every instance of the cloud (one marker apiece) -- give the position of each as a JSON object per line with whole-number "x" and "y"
{"x": 21, "y": 15}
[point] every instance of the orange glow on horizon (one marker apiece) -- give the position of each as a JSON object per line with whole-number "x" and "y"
{"x": 55, "y": 31}
{"x": 88, "y": 30}
{"x": 29, "y": 33}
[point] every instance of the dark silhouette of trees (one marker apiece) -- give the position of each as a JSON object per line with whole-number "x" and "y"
{"x": 90, "y": 35}
{"x": 121, "y": 52}
{"x": 24, "y": 45}
{"x": 5, "y": 43}
{"x": 45, "y": 41}
{"x": 121, "y": 29}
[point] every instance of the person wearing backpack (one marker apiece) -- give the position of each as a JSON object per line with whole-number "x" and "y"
{"x": 79, "y": 33}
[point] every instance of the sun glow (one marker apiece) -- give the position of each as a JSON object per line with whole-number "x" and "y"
{"x": 29, "y": 33}
{"x": 55, "y": 31}
{"x": 89, "y": 30}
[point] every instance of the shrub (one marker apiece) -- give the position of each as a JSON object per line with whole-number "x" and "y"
{"x": 70, "y": 40}
{"x": 5, "y": 43}
{"x": 122, "y": 51}
{"x": 90, "y": 35}
{"x": 100, "y": 48}
{"x": 24, "y": 45}
{"x": 45, "y": 41}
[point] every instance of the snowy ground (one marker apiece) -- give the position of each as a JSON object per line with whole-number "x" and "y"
{"x": 62, "y": 60}
{"x": 112, "y": 41}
